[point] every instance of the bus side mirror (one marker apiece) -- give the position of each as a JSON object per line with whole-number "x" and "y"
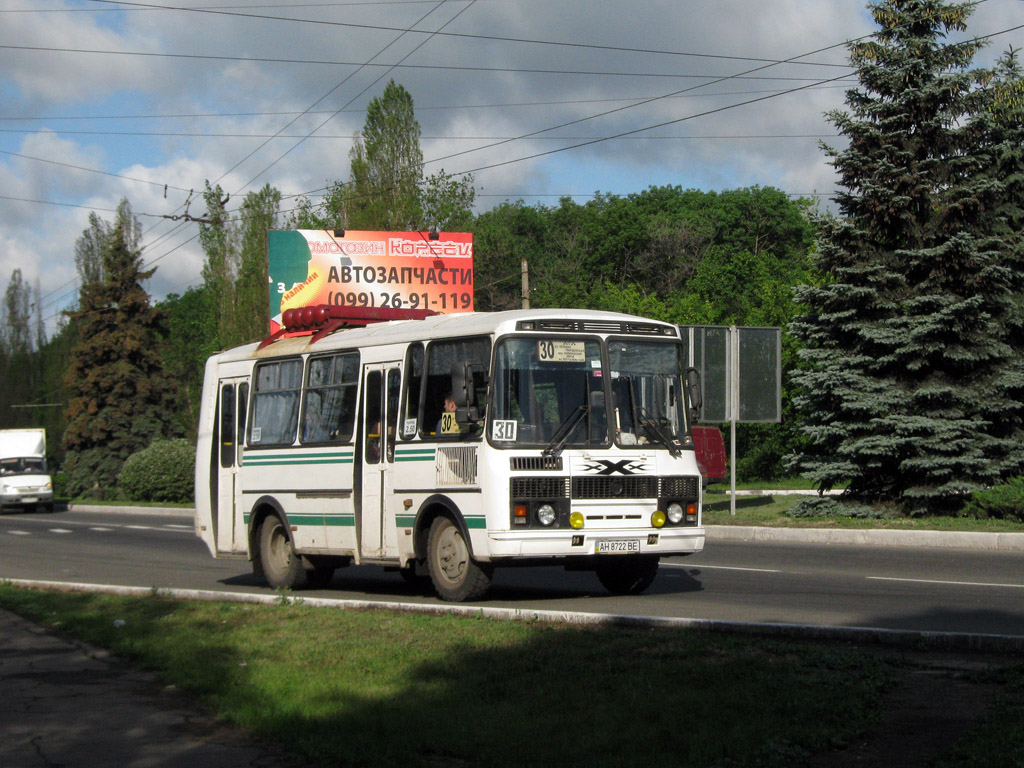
{"x": 464, "y": 393}
{"x": 693, "y": 393}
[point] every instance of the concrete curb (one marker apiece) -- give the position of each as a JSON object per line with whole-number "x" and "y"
{"x": 128, "y": 510}
{"x": 876, "y": 537}
{"x": 953, "y": 641}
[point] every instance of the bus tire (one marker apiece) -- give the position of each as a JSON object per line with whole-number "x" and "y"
{"x": 282, "y": 568}
{"x": 627, "y": 574}
{"x": 457, "y": 577}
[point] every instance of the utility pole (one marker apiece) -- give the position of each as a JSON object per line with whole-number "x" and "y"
{"x": 526, "y": 284}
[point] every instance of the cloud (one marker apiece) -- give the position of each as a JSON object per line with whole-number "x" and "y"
{"x": 690, "y": 88}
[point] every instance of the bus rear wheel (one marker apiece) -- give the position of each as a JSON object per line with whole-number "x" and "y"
{"x": 627, "y": 574}
{"x": 457, "y": 577}
{"x": 282, "y": 568}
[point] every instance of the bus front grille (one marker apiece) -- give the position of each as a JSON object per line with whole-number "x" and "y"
{"x": 540, "y": 487}
{"x": 614, "y": 487}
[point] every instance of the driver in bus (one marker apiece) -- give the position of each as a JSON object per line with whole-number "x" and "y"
{"x": 448, "y": 407}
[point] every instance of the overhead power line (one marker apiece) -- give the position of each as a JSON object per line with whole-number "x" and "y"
{"x": 419, "y": 108}
{"x": 91, "y": 170}
{"x": 342, "y": 137}
{"x": 463, "y": 35}
{"x": 441, "y": 67}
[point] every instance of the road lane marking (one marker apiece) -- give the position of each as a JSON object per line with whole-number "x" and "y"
{"x": 103, "y": 530}
{"x": 720, "y": 568}
{"x": 19, "y": 533}
{"x": 59, "y": 530}
{"x": 951, "y": 583}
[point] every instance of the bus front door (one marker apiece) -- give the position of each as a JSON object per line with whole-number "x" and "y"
{"x": 381, "y": 388}
{"x": 230, "y": 526}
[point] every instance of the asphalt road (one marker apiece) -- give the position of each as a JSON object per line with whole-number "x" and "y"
{"x": 940, "y": 590}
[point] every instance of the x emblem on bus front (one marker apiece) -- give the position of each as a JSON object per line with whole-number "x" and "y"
{"x": 624, "y": 467}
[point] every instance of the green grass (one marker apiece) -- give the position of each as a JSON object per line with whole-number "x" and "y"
{"x": 1000, "y": 737}
{"x": 769, "y": 510}
{"x": 382, "y": 689}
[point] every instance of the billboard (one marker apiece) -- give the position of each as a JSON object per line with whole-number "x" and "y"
{"x": 391, "y": 270}
{"x": 740, "y": 371}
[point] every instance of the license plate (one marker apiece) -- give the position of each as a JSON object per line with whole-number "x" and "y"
{"x": 617, "y": 546}
{"x": 30, "y": 500}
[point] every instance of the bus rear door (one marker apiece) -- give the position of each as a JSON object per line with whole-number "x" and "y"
{"x": 381, "y": 388}
{"x": 234, "y": 398}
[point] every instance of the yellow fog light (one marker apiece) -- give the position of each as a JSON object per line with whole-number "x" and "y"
{"x": 576, "y": 519}
{"x": 658, "y": 519}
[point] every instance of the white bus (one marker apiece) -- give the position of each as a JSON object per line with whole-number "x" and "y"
{"x": 451, "y": 445}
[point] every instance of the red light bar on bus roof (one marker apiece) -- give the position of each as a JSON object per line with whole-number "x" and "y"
{"x": 323, "y": 319}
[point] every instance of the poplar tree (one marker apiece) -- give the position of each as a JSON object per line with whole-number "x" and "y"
{"x": 387, "y": 165}
{"x": 235, "y": 270}
{"x": 912, "y": 391}
{"x": 120, "y": 397}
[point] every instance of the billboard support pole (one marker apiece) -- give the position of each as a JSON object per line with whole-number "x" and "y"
{"x": 734, "y": 400}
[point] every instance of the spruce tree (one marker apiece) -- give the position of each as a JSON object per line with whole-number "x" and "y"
{"x": 912, "y": 388}
{"x": 120, "y": 397}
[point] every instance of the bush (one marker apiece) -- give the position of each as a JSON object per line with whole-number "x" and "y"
{"x": 1005, "y": 502}
{"x": 830, "y": 506}
{"x": 164, "y": 471}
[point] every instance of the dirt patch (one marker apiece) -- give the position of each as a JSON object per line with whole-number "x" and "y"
{"x": 935, "y": 701}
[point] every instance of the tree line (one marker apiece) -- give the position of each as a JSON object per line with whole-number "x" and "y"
{"x": 903, "y": 310}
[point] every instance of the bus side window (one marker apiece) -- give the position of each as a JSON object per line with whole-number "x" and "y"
{"x": 275, "y": 410}
{"x": 330, "y": 399}
{"x": 243, "y": 405}
{"x": 227, "y": 425}
{"x": 441, "y": 355}
{"x": 372, "y": 423}
{"x": 413, "y": 390}
{"x": 394, "y": 388}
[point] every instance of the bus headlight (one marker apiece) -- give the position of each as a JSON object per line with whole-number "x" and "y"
{"x": 658, "y": 519}
{"x": 546, "y": 515}
{"x": 675, "y": 513}
{"x": 576, "y": 519}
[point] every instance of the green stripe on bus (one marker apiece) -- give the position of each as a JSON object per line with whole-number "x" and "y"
{"x": 421, "y": 454}
{"x": 286, "y": 459}
{"x": 306, "y": 519}
{"x": 345, "y": 521}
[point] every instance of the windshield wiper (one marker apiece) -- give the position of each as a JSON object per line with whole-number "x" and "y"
{"x": 655, "y": 431}
{"x": 561, "y": 436}
{"x": 642, "y": 418}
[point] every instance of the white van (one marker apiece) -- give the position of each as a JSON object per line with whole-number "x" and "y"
{"x": 24, "y": 481}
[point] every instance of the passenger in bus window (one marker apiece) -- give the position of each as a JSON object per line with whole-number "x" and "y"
{"x": 314, "y": 430}
{"x": 447, "y": 407}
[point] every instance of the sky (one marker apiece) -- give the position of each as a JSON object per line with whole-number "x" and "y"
{"x": 537, "y": 99}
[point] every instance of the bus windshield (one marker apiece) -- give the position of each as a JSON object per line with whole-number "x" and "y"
{"x": 549, "y": 389}
{"x": 554, "y": 392}
{"x": 647, "y": 392}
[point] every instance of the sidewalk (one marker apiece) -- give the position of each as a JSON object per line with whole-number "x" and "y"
{"x": 65, "y": 704}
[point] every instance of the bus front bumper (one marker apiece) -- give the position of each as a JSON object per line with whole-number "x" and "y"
{"x": 569, "y": 543}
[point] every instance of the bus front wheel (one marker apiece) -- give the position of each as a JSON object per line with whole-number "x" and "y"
{"x": 457, "y": 577}
{"x": 627, "y": 574}
{"x": 282, "y": 568}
